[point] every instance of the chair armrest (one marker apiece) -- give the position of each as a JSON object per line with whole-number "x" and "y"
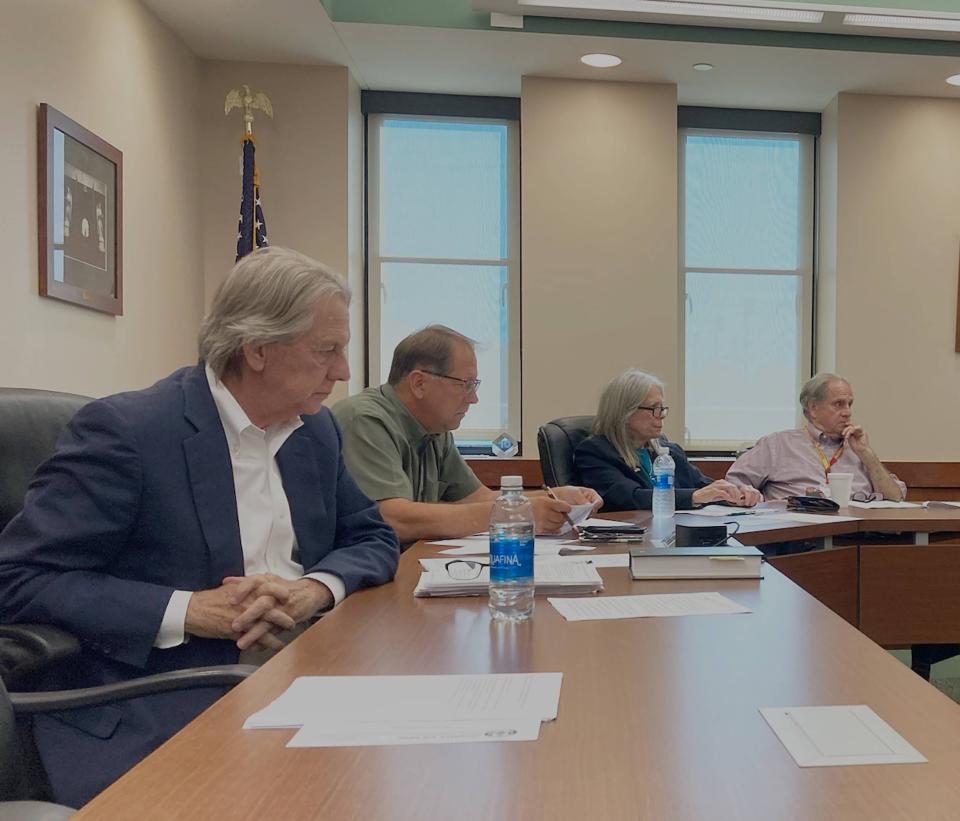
{"x": 27, "y": 648}
{"x": 226, "y": 675}
{"x": 47, "y": 643}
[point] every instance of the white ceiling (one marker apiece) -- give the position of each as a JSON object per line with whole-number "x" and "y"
{"x": 403, "y": 58}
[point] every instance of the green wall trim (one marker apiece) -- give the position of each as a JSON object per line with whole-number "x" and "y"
{"x": 459, "y": 14}
{"x": 453, "y": 14}
{"x": 743, "y": 37}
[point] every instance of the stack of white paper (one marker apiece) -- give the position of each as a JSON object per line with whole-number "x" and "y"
{"x": 480, "y": 546}
{"x": 839, "y": 735}
{"x": 450, "y": 577}
{"x": 656, "y": 604}
{"x": 338, "y": 711}
{"x": 883, "y": 503}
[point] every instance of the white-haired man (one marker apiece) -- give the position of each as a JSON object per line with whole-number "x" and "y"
{"x": 794, "y": 462}
{"x": 188, "y": 523}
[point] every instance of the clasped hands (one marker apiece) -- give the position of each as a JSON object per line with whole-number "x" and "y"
{"x": 251, "y": 610}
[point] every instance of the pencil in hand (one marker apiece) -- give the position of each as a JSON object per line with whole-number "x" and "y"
{"x": 566, "y": 516}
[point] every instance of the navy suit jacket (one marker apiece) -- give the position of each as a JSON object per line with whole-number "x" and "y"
{"x": 624, "y": 488}
{"x": 138, "y": 501}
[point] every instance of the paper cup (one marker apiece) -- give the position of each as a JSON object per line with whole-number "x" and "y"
{"x": 839, "y": 488}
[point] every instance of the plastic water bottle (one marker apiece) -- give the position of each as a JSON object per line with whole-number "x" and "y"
{"x": 664, "y": 497}
{"x": 511, "y": 553}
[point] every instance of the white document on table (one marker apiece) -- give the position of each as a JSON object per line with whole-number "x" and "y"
{"x": 813, "y": 518}
{"x": 609, "y": 560}
{"x": 656, "y": 604}
{"x": 480, "y": 546}
{"x": 604, "y": 523}
{"x": 883, "y": 503}
{"x": 577, "y": 515}
{"x": 839, "y": 735}
{"x": 390, "y": 732}
{"x": 723, "y": 510}
{"x": 335, "y": 700}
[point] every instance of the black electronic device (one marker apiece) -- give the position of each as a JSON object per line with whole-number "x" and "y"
{"x": 701, "y": 535}
{"x": 812, "y": 504}
{"x": 611, "y": 533}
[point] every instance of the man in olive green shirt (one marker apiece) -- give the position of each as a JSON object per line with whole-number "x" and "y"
{"x": 398, "y": 445}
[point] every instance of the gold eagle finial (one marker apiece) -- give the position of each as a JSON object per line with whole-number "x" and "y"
{"x": 243, "y": 98}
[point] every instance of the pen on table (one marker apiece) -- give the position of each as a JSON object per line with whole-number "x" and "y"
{"x": 554, "y": 496}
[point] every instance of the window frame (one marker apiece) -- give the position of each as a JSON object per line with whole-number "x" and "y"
{"x": 382, "y": 106}
{"x": 806, "y": 134}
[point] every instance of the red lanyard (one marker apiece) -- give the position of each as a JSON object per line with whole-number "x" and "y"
{"x": 824, "y": 462}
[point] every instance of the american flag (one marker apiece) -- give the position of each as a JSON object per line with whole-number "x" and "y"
{"x": 252, "y": 231}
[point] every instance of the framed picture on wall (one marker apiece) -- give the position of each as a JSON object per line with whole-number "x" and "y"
{"x": 80, "y": 219}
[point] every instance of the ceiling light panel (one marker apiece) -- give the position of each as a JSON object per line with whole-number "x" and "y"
{"x": 890, "y": 21}
{"x": 685, "y": 9}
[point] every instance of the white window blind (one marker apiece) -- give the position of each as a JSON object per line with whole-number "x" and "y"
{"x": 443, "y": 247}
{"x": 747, "y": 276}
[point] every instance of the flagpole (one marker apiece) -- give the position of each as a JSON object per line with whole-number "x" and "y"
{"x": 250, "y": 210}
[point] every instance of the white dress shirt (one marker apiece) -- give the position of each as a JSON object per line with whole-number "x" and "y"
{"x": 266, "y": 529}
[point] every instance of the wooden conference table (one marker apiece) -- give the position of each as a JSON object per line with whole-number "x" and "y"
{"x": 658, "y": 718}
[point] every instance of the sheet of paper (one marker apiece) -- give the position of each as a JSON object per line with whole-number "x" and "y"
{"x": 633, "y": 607}
{"x": 542, "y": 546}
{"x": 591, "y": 522}
{"x": 722, "y": 510}
{"x": 331, "y": 699}
{"x": 597, "y": 559}
{"x": 390, "y": 732}
{"x": 838, "y": 735}
{"x": 576, "y": 515}
{"x": 883, "y": 503}
{"x": 813, "y": 518}
{"x": 610, "y": 560}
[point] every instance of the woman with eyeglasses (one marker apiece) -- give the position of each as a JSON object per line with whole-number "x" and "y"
{"x": 617, "y": 460}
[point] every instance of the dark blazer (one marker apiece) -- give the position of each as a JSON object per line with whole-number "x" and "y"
{"x": 138, "y": 501}
{"x": 624, "y": 488}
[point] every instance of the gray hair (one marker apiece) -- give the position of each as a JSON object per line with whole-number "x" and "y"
{"x": 271, "y": 295}
{"x": 429, "y": 349}
{"x": 815, "y": 389}
{"x": 618, "y": 400}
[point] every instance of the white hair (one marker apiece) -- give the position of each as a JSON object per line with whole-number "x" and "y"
{"x": 271, "y": 295}
{"x": 815, "y": 389}
{"x": 618, "y": 400}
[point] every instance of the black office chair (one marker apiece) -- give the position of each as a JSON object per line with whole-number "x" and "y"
{"x": 26, "y": 650}
{"x": 31, "y": 421}
{"x": 556, "y": 442}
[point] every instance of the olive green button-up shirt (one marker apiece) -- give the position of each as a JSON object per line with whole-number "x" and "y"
{"x": 391, "y": 456}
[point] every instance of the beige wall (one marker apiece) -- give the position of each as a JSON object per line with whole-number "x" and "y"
{"x": 898, "y": 236}
{"x": 112, "y": 67}
{"x": 600, "y": 282}
{"x": 826, "y": 294}
{"x": 308, "y": 156}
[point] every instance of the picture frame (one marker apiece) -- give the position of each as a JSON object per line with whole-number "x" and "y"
{"x": 80, "y": 214}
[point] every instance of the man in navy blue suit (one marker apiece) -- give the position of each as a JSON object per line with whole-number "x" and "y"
{"x": 205, "y": 518}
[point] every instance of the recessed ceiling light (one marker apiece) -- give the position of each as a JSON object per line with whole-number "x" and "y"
{"x": 684, "y": 8}
{"x": 601, "y": 60}
{"x": 889, "y": 21}
{"x": 703, "y": 66}
{"x": 954, "y": 80}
